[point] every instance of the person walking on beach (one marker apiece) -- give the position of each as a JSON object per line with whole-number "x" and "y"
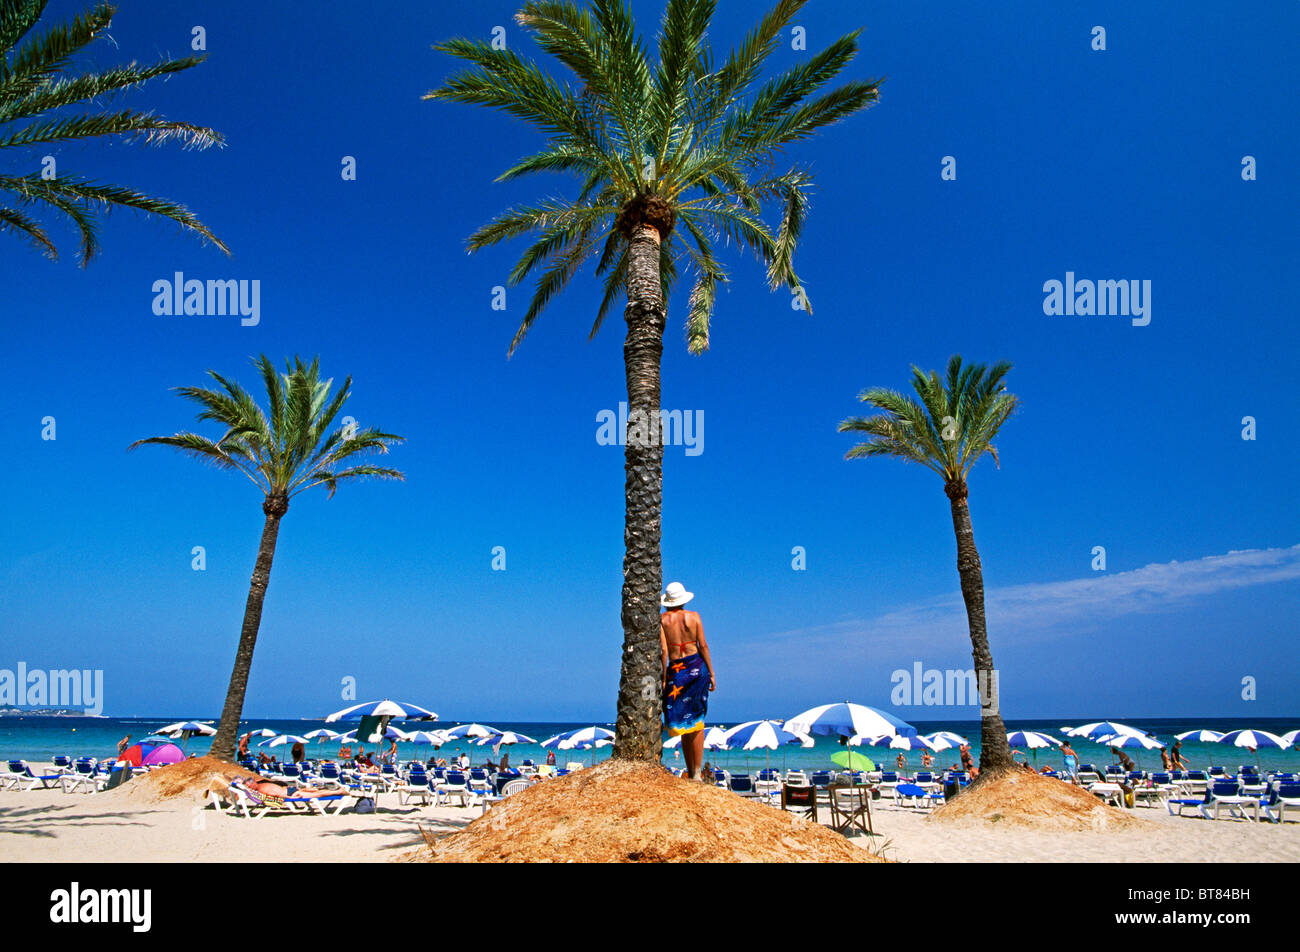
{"x": 1176, "y": 755}
{"x": 1124, "y": 760}
{"x": 686, "y": 663}
{"x": 967, "y": 764}
{"x": 1071, "y": 761}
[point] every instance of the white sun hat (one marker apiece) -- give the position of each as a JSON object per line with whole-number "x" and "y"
{"x": 675, "y": 594}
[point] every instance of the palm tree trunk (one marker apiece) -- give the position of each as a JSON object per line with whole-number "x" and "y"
{"x": 995, "y": 755}
{"x": 223, "y": 743}
{"x": 640, "y": 702}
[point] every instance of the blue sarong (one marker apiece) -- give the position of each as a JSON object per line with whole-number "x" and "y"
{"x": 686, "y": 699}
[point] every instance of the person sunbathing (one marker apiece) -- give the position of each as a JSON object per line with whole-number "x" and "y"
{"x": 278, "y": 788}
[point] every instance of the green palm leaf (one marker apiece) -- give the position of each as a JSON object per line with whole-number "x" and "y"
{"x": 34, "y": 99}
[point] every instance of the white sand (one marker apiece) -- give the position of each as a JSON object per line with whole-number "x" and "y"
{"x": 50, "y": 826}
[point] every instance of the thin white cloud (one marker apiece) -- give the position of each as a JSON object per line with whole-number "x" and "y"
{"x": 1023, "y": 610}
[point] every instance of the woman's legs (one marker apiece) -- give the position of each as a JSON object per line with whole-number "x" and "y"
{"x": 693, "y": 746}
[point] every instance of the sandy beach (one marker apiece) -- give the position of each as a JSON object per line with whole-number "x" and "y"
{"x": 48, "y": 826}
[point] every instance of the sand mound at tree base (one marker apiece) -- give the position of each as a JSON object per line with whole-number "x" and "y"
{"x": 1022, "y": 799}
{"x": 622, "y": 812}
{"x": 187, "y": 780}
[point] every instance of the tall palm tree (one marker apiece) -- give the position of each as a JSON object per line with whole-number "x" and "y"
{"x": 671, "y": 158}
{"x": 283, "y": 454}
{"x": 34, "y": 100}
{"x": 947, "y": 428}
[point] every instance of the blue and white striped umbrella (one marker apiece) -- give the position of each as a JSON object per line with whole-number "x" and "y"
{"x": 715, "y": 738}
{"x": 1250, "y": 738}
{"x": 1031, "y": 739}
{"x": 1292, "y": 738}
{"x": 262, "y": 732}
{"x": 390, "y": 733}
{"x": 585, "y": 738}
{"x": 1200, "y": 737}
{"x": 942, "y": 740}
{"x": 753, "y": 735}
{"x": 470, "y": 731}
{"x": 280, "y": 740}
{"x": 504, "y": 737}
{"x": 1129, "y": 740}
{"x": 892, "y": 741}
{"x": 1103, "y": 729}
{"x": 323, "y": 734}
{"x": 399, "y": 710}
{"x": 436, "y": 738}
{"x": 187, "y": 727}
{"x": 847, "y": 720}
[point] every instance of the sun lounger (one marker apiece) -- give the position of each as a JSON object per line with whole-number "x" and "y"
{"x": 455, "y": 784}
{"x": 1111, "y": 793}
{"x": 1280, "y": 798}
{"x": 742, "y": 784}
{"x": 1226, "y": 794}
{"x": 82, "y": 777}
{"x": 512, "y": 787}
{"x": 22, "y": 776}
{"x": 238, "y": 800}
{"x": 415, "y": 785}
{"x": 913, "y": 795}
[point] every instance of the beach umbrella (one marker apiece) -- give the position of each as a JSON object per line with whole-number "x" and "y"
{"x": 1066, "y": 729}
{"x": 149, "y": 753}
{"x": 394, "y": 710}
{"x": 1032, "y": 739}
{"x": 187, "y": 727}
{"x": 185, "y": 730}
{"x": 715, "y": 738}
{"x": 1252, "y": 738}
{"x": 261, "y": 732}
{"x": 893, "y": 741}
{"x": 767, "y": 735}
{"x": 1129, "y": 740}
{"x": 585, "y": 738}
{"x": 846, "y": 720}
{"x": 752, "y": 735}
{"x": 1121, "y": 741}
{"x": 1200, "y": 737}
{"x": 942, "y": 740}
{"x": 470, "y": 731}
{"x": 852, "y": 760}
{"x": 1291, "y": 738}
{"x": 321, "y": 735}
{"x": 436, "y": 738}
{"x": 504, "y": 737}
{"x": 279, "y": 740}
{"x": 1103, "y": 729}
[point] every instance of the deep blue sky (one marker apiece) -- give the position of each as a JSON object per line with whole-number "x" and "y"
{"x": 1117, "y": 164}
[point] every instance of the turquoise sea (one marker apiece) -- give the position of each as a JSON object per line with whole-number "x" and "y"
{"x": 37, "y": 739}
